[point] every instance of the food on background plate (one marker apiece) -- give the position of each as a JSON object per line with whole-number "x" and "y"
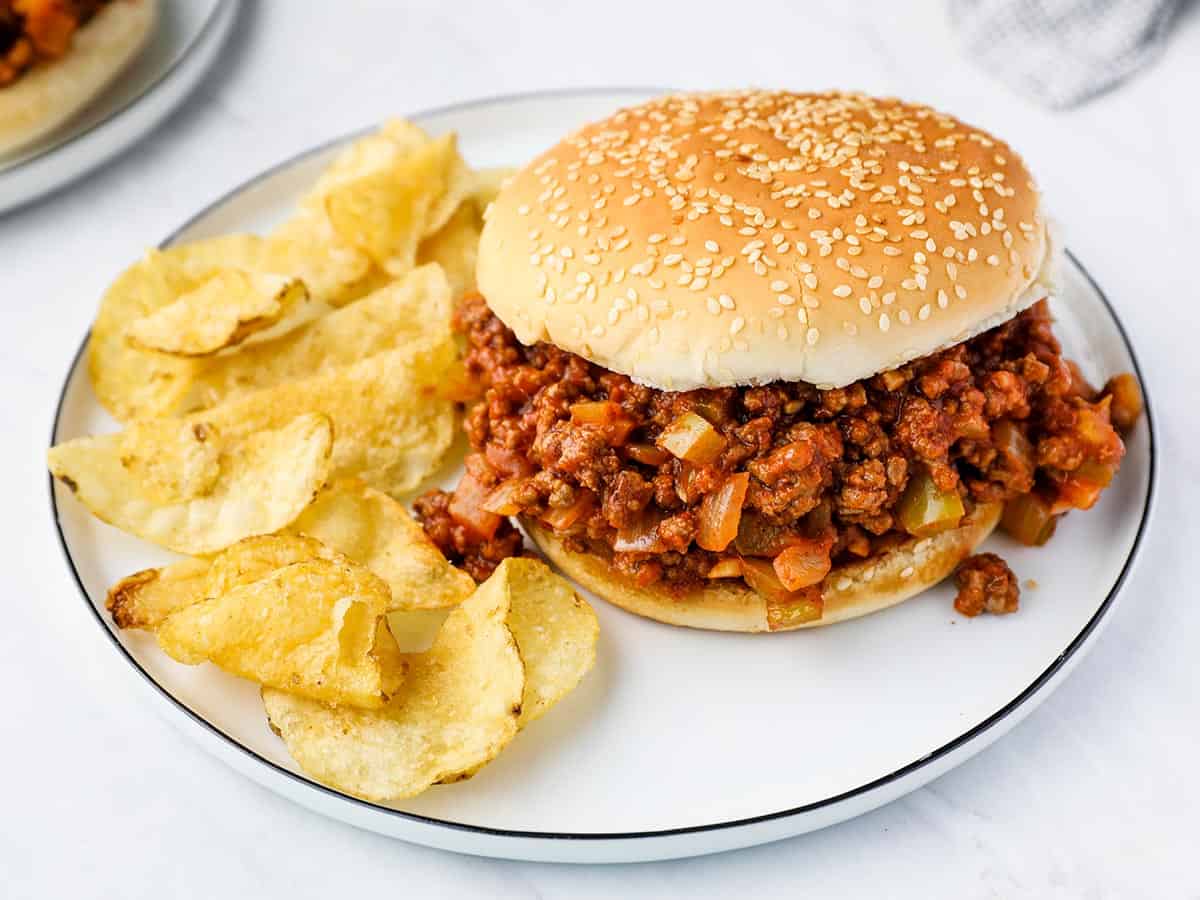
{"x": 762, "y": 360}
{"x": 276, "y": 394}
{"x": 57, "y": 55}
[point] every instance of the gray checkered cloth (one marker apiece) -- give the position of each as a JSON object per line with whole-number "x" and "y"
{"x": 1062, "y": 52}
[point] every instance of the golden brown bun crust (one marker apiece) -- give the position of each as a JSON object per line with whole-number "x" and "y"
{"x": 742, "y": 238}
{"x": 729, "y": 605}
{"x": 50, "y": 93}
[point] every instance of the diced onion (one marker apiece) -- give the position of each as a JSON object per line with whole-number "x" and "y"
{"x": 784, "y": 608}
{"x": 729, "y": 567}
{"x": 500, "y": 501}
{"x": 721, "y": 513}
{"x": 606, "y": 415}
{"x": 641, "y": 537}
{"x": 1082, "y": 487}
{"x": 560, "y": 518}
{"x": 692, "y": 438}
{"x": 803, "y": 565}
{"x": 467, "y": 508}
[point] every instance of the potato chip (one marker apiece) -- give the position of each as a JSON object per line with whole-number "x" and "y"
{"x": 386, "y": 213}
{"x": 137, "y": 384}
{"x": 376, "y": 531}
{"x": 556, "y": 632}
{"x": 306, "y": 247}
{"x": 455, "y": 247}
{"x": 391, "y": 427}
{"x": 267, "y": 477}
{"x": 458, "y": 178}
{"x": 256, "y": 557}
{"x": 225, "y": 310}
{"x": 411, "y": 312}
{"x": 456, "y": 709}
{"x": 144, "y": 599}
{"x": 310, "y": 628}
{"x": 386, "y": 192}
{"x": 170, "y": 460}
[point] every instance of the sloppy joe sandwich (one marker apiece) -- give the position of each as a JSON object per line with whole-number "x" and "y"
{"x": 763, "y": 360}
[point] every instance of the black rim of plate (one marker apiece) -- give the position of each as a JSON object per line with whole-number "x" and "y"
{"x": 196, "y": 40}
{"x": 929, "y": 759}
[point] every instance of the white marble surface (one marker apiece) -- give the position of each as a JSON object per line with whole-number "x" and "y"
{"x": 1096, "y": 795}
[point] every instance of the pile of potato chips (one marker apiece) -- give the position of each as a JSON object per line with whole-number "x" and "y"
{"x": 277, "y": 394}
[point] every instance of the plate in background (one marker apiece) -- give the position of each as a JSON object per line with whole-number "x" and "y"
{"x": 679, "y": 742}
{"x": 186, "y": 41}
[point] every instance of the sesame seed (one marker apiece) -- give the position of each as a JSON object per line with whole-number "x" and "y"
{"x": 726, "y": 301}
{"x": 843, "y": 290}
{"x": 737, "y": 325}
{"x": 779, "y": 285}
{"x": 812, "y": 336}
{"x": 884, "y": 322}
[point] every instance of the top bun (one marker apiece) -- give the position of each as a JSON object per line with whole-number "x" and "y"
{"x": 703, "y": 240}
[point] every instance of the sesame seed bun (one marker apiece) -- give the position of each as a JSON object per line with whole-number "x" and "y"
{"x": 50, "y": 93}
{"x": 741, "y": 238}
{"x": 849, "y": 591}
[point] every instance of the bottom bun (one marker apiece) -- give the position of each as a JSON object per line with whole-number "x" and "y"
{"x": 849, "y": 591}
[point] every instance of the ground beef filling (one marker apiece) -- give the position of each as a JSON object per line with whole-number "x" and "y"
{"x": 986, "y": 584}
{"x": 773, "y": 483}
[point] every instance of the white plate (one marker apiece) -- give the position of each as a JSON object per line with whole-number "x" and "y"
{"x": 186, "y": 42}
{"x": 680, "y": 742}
